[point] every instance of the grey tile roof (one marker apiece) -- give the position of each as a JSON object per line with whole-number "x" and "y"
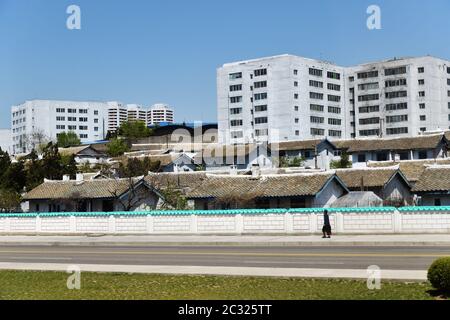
{"x": 434, "y": 178}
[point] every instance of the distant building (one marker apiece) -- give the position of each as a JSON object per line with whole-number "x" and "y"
{"x": 286, "y": 97}
{"x": 37, "y": 121}
{"x": 159, "y": 113}
{"x": 5, "y": 140}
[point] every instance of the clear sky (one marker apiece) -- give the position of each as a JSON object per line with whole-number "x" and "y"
{"x": 148, "y": 51}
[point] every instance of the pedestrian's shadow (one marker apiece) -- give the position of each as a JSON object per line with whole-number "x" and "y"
{"x": 439, "y": 294}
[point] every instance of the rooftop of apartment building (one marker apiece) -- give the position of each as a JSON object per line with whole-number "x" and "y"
{"x": 388, "y": 60}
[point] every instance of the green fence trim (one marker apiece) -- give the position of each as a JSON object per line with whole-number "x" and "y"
{"x": 425, "y": 208}
{"x": 222, "y": 212}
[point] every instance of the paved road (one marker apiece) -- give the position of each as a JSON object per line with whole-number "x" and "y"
{"x": 352, "y": 257}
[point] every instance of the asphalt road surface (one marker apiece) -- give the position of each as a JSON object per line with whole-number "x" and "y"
{"x": 351, "y": 257}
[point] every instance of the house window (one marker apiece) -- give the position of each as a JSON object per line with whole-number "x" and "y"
{"x": 422, "y": 155}
{"x": 437, "y": 202}
{"x": 361, "y": 158}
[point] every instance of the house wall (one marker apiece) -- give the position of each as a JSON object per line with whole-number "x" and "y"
{"x": 397, "y": 189}
{"x": 294, "y": 221}
{"x": 332, "y": 191}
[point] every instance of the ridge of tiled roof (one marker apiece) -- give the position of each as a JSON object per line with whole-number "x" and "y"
{"x": 369, "y": 177}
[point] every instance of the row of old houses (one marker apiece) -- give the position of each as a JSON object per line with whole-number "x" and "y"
{"x": 356, "y": 187}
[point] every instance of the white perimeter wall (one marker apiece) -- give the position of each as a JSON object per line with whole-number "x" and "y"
{"x": 286, "y": 223}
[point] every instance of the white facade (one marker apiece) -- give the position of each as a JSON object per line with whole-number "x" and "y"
{"x": 49, "y": 118}
{"x": 117, "y": 114}
{"x": 5, "y": 140}
{"x": 286, "y": 97}
{"x": 159, "y": 113}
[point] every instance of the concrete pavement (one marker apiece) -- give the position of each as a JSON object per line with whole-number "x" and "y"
{"x": 228, "y": 240}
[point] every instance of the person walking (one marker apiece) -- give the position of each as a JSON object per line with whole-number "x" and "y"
{"x": 326, "y": 230}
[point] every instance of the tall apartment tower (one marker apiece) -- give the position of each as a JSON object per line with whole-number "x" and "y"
{"x": 117, "y": 114}
{"x": 398, "y": 97}
{"x": 159, "y": 113}
{"x": 39, "y": 119}
{"x": 286, "y": 97}
{"x": 280, "y": 98}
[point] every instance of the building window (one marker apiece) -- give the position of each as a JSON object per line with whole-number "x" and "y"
{"x": 423, "y": 155}
{"x": 437, "y": 202}
{"x": 72, "y": 118}
{"x": 315, "y": 72}
{"x": 95, "y": 128}
{"x": 260, "y": 84}
{"x": 394, "y": 71}
{"x": 261, "y": 132}
{"x": 334, "y": 122}
{"x": 396, "y": 94}
{"x": 368, "y": 86}
{"x": 236, "y": 87}
{"x": 295, "y": 83}
{"x": 260, "y": 72}
{"x": 316, "y": 96}
{"x": 297, "y": 132}
{"x": 399, "y": 118}
{"x": 351, "y": 79}
{"x": 60, "y": 118}
{"x": 84, "y": 128}
{"x": 60, "y": 127}
{"x": 423, "y": 118}
{"x": 395, "y": 83}
{"x": 361, "y": 157}
{"x": 72, "y": 127}
{"x": 334, "y": 98}
{"x": 366, "y": 121}
{"x": 421, "y": 70}
{"x": 236, "y": 75}
{"x": 296, "y": 107}
{"x": 261, "y": 108}
{"x": 296, "y": 96}
{"x": 260, "y": 96}
{"x": 423, "y": 129}
{"x": 421, "y": 105}
{"x": 368, "y": 97}
{"x": 369, "y": 74}
{"x": 235, "y": 110}
{"x": 95, "y": 112}
{"x": 60, "y": 110}
{"x": 317, "y": 132}
{"x": 314, "y": 119}
{"x": 295, "y": 72}
{"x": 392, "y": 131}
{"x": 372, "y": 132}
{"x": 83, "y": 136}
{"x": 336, "y": 110}
{"x": 236, "y": 99}
{"x": 421, "y": 93}
{"x": 335, "y": 133}
{"x": 236, "y": 123}
{"x": 369, "y": 109}
{"x": 333, "y": 75}
{"x": 83, "y": 111}
{"x": 260, "y": 120}
{"x": 83, "y": 119}
{"x": 421, "y": 82}
{"x": 95, "y": 120}
{"x": 296, "y": 120}
{"x": 316, "y": 84}
{"x": 72, "y": 110}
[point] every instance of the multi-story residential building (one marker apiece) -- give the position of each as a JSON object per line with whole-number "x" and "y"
{"x": 159, "y": 113}
{"x": 39, "y": 120}
{"x": 136, "y": 113}
{"x": 286, "y": 97}
{"x": 280, "y": 98}
{"x": 117, "y": 114}
{"x": 398, "y": 97}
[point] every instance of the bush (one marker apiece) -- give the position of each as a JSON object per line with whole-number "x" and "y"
{"x": 439, "y": 274}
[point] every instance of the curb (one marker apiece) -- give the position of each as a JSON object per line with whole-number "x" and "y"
{"x": 224, "y": 243}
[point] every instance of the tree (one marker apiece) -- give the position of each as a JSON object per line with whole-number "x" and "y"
{"x": 34, "y": 171}
{"x": 68, "y": 139}
{"x": 69, "y": 165}
{"x": 36, "y": 140}
{"x": 52, "y": 163}
{"x": 134, "y": 196}
{"x": 14, "y": 179}
{"x": 5, "y": 161}
{"x": 117, "y": 147}
{"x": 134, "y": 167}
{"x": 134, "y": 130}
{"x": 9, "y": 201}
{"x": 343, "y": 163}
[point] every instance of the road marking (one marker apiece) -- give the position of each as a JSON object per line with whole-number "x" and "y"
{"x": 215, "y": 253}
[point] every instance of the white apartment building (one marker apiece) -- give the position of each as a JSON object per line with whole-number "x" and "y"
{"x": 159, "y": 113}
{"x": 117, "y": 114}
{"x": 286, "y": 97}
{"x": 44, "y": 119}
{"x": 398, "y": 97}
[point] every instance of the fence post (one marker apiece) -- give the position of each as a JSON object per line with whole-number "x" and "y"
{"x": 313, "y": 223}
{"x": 112, "y": 224}
{"x": 239, "y": 218}
{"x": 194, "y": 223}
{"x": 397, "y": 218}
{"x": 38, "y": 224}
{"x": 73, "y": 224}
{"x": 289, "y": 222}
{"x": 339, "y": 216}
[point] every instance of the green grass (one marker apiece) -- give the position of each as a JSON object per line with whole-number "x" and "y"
{"x": 52, "y": 285}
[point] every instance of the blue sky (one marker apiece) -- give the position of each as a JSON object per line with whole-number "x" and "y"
{"x": 145, "y": 51}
